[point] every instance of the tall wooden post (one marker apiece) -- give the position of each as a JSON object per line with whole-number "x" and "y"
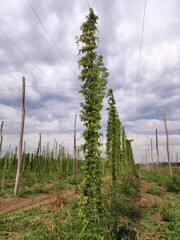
{"x": 1, "y": 138}
{"x": 103, "y": 158}
{"x": 148, "y": 159}
{"x": 151, "y": 156}
{"x": 40, "y": 144}
{"x": 39, "y": 158}
{"x": 21, "y": 137}
{"x": 141, "y": 163}
{"x": 157, "y": 150}
{"x": 167, "y": 144}
{"x": 24, "y": 152}
{"x": 74, "y": 157}
{"x": 177, "y": 158}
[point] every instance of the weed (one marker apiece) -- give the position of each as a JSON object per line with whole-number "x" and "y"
{"x": 153, "y": 189}
{"x": 173, "y": 184}
{"x": 73, "y": 181}
{"x": 24, "y": 192}
{"x": 29, "y": 224}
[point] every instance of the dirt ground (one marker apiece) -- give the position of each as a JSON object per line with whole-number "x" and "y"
{"x": 146, "y": 200}
{"x": 47, "y": 200}
{"x": 55, "y": 199}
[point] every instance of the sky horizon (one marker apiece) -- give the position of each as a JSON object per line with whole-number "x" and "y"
{"x": 140, "y": 43}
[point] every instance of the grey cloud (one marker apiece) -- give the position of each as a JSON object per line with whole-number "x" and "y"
{"x": 51, "y": 105}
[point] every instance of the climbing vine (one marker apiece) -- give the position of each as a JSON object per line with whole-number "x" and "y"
{"x": 94, "y": 79}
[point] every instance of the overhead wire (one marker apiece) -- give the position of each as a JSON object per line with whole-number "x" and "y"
{"x": 35, "y": 67}
{"x": 9, "y": 110}
{"x": 32, "y": 62}
{"x": 99, "y": 47}
{"x": 140, "y": 51}
{"x": 51, "y": 38}
{"x": 88, "y": 4}
{"x": 50, "y": 98}
{"x": 41, "y": 88}
{"x": 139, "y": 59}
{"x": 170, "y": 80}
{"x": 158, "y": 74}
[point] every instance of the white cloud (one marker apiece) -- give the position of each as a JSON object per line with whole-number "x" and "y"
{"x": 53, "y": 99}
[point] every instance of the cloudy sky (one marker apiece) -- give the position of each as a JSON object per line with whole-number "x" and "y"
{"x": 37, "y": 40}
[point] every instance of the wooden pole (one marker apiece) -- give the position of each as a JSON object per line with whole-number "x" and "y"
{"x": 74, "y": 157}
{"x": 103, "y": 158}
{"x": 21, "y": 137}
{"x": 157, "y": 150}
{"x": 177, "y": 158}
{"x": 40, "y": 144}
{"x": 39, "y": 158}
{"x": 167, "y": 143}
{"x": 151, "y": 155}
{"x": 148, "y": 159}
{"x": 1, "y": 138}
{"x": 141, "y": 163}
{"x": 24, "y": 152}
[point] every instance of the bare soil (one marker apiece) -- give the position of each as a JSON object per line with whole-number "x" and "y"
{"x": 147, "y": 200}
{"x": 47, "y": 200}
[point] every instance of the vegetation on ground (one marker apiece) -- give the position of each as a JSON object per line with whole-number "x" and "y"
{"x": 109, "y": 202}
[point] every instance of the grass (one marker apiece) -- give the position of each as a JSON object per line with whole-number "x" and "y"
{"x": 75, "y": 181}
{"x": 161, "y": 220}
{"x": 29, "y": 224}
{"x": 153, "y": 189}
{"x": 171, "y": 184}
{"x": 64, "y": 223}
{"x": 34, "y": 191}
{"x": 29, "y": 184}
{"x": 121, "y": 219}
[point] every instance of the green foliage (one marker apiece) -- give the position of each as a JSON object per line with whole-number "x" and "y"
{"x": 171, "y": 215}
{"x": 4, "y": 174}
{"x": 171, "y": 183}
{"x": 161, "y": 220}
{"x": 117, "y": 203}
{"x": 29, "y": 224}
{"x": 34, "y": 191}
{"x": 60, "y": 185}
{"x": 28, "y": 180}
{"x": 93, "y": 76}
{"x": 113, "y": 135}
{"x": 73, "y": 181}
{"x": 118, "y": 211}
{"x": 153, "y": 189}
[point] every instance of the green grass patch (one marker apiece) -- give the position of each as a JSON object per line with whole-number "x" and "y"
{"x": 73, "y": 181}
{"x": 153, "y": 189}
{"x": 29, "y": 224}
{"x": 34, "y": 191}
{"x": 171, "y": 183}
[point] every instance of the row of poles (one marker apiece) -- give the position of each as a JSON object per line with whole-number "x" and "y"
{"x": 146, "y": 159}
{"x": 21, "y": 140}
